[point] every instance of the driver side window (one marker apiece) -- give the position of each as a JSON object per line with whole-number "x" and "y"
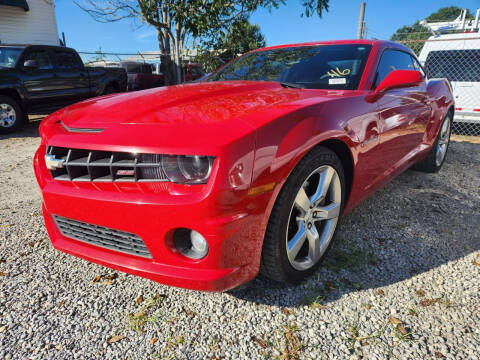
{"x": 41, "y": 57}
{"x": 392, "y": 60}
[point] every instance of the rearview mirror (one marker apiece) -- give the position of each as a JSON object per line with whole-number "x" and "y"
{"x": 30, "y": 64}
{"x": 399, "y": 79}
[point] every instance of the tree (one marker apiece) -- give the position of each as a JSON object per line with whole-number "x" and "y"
{"x": 448, "y": 13}
{"x": 175, "y": 20}
{"x": 413, "y": 33}
{"x": 240, "y": 38}
{"x": 315, "y": 6}
{"x": 99, "y": 55}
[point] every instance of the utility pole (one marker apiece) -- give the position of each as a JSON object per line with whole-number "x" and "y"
{"x": 361, "y": 22}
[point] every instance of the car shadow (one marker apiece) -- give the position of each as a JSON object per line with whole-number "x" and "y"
{"x": 28, "y": 130}
{"x": 412, "y": 225}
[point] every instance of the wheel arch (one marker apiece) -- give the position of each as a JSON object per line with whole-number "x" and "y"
{"x": 14, "y": 95}
{"x": 451, "y": 111}
{"x": 343, "y": 152}
{"x": 340, "y": 148}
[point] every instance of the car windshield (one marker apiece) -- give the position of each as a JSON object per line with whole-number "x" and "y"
{"x": 9, "y": 56}
{"x": 313, "y": 67}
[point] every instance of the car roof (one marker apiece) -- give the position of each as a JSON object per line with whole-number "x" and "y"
{"x": 379, "y": 43}
{"x": 23, "y": 46}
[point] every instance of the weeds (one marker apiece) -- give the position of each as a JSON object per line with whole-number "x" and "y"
{"x": 352, "y": 259}
{"x": 314, "y": 299}
{"x": 353, "y": 336}
{"x": 293, "y": 345}
{"x": 145, "y": 315}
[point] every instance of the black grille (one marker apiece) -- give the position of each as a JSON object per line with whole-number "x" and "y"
{"x": 102, "y": 236}
{"x": 106, "y": 166}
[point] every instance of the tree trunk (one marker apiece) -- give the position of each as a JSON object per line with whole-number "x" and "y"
{"x": 178, "y": 53}
{"x": 165, "y": 58}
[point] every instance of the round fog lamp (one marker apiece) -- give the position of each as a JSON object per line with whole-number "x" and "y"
{"x": 190, "y": 243}
{"x": 199, "y": 244}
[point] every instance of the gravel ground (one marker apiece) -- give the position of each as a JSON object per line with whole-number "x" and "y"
{"x": 402, "y": 282}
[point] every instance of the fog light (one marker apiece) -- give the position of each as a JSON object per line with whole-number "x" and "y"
{"x": 190, "y": 243}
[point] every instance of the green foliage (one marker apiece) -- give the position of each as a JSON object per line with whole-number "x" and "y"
{"x": 315, "y": 6}
{"x": 448, "y": 14}
{"x": 412, "y": 35}
{"x": 240, "y": 38}
{"x": 177, "y": 20}
{"x": 99, "y": 54}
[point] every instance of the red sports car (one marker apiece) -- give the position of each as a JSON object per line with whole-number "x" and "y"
{"x": 204, "y": 185}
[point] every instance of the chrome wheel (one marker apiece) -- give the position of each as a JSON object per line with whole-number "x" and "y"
{"x": 8, "y": 115}
{"x": 443, "y": 141}
{"x": 313, "y": 218}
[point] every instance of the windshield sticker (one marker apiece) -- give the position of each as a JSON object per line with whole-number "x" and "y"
{"x": 337, "y": 81}
{"x": 338, "y": 73}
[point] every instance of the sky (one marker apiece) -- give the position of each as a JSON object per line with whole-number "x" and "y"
{"x": 280, "y": 26}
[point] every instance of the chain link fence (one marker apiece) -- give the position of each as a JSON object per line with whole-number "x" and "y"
{"x": 455, "y": 56}
{"x": 111, "y": 59}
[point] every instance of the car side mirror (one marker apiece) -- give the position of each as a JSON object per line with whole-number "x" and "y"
{"x": 399, "y": 79}
{"x": 30, "y": 64}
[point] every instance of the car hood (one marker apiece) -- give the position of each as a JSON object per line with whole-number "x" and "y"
{"x": 182, "y": 118}
{"x": 205, "y": 104}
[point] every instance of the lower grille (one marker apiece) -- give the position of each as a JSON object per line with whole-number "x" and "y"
{"x": 102, "y": 236}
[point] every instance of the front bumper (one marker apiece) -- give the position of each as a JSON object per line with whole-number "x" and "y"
{"x": 232, "y": 223}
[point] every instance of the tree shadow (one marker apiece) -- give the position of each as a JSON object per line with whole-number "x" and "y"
{"x": 28, "y": 130}
{"x": 414, "y": 224}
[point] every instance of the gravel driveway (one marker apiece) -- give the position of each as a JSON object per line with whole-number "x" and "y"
{"x": 402, "y": 281}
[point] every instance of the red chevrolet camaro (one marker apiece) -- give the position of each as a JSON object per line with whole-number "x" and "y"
{"x": 204, "y": 185}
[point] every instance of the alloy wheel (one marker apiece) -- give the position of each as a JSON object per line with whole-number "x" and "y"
{"x": 443, "y": 141}
{"x": 313, "y": 218}
{"x": 8, "y": 115}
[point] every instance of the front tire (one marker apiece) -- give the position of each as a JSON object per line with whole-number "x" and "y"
{"x": 436, "y": 157}
{"x": 305, "y": 218}
{"x": 11, "y": 115}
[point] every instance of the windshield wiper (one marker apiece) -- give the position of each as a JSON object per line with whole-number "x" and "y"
{"x": 292, "y": 85}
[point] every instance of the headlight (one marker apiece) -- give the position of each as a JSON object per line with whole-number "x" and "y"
{"x": 187, "y": 169}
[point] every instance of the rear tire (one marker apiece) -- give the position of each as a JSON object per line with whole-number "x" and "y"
{"x": 11, "y": 115}
{"x": 301, "y": 228}
{"x": 436, "y": 157}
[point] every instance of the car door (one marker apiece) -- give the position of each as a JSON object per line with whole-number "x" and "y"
{"x": 38, "y": 81}
{"x": 71, "y": 78}
{"x": 403, "y": 112}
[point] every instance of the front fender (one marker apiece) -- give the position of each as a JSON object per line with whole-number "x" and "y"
{"x": 281, "y": 144}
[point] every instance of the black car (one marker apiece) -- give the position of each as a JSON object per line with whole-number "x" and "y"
{"x": 39, "y": 79}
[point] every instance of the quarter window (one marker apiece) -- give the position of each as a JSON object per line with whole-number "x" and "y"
{"x": 66, "y": 61}
{"x": 417, "y": 66}
{"x": 393, "y": 60}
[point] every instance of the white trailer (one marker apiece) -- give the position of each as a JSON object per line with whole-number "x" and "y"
{"x": 456, "y": 56}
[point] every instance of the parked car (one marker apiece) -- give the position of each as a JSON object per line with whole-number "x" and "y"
{"x": 457, "y": 58}
{"x": 38, "y": 79}
{"x": 190, "y": 71}
{"x": 141, "y": 76}
{"x": 203, "y": 185}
